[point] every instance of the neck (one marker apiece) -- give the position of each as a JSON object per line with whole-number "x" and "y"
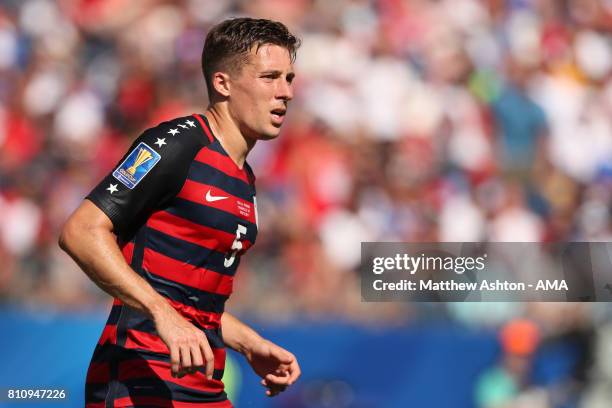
{"x": 227, "y": 131}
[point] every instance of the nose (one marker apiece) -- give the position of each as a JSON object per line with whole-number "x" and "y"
{"x": 285, "y": 91}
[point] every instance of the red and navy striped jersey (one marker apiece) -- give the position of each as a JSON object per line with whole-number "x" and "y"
{"x": 183, "y": 213}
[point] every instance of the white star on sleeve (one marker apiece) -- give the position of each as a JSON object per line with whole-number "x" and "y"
{"x": 160, "y": 142}
{"x": 173, "y": 132}
{"x": 190, "y": 123}
{"x": 183, "y": 126}
{"x": 112, "y": 188}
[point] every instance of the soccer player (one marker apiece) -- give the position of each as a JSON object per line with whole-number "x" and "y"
{"x": 181, "y": 204}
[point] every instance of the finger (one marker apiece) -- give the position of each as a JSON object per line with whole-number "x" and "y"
{"x": 272, "y": 391}
{"x": 267, "y": 384}
{"x": 277, "y": 389}
{"x": 209, "y": 358}
{"x": 174, "y": 360}
{"x": 282, "y": 371}
{"x": 274, "y": 388}
{"x": 196, "y": 358}
{"x": 272, "y": 379}
{"x": 185, "y": 359}
{"x": 294, "y": 372}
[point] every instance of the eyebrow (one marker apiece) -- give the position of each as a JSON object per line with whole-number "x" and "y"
{"x": 277, "y": 72}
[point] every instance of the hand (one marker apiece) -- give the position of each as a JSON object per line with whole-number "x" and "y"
{"x": 277, "y": 367}
{"x": 188, "y": 345}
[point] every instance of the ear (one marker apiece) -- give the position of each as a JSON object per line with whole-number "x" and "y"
{"x": 221, "y": 83}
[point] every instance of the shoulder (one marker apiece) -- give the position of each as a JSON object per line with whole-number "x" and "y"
{"x": 173, "y": 140}
{"x": 164, "y": 150}
{"x": 184, "y": 130}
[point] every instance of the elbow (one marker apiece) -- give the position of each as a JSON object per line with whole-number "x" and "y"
{"x": 65, "y": 236}
{"x": 69, "y": 235}
{"x": 86, "y": 225}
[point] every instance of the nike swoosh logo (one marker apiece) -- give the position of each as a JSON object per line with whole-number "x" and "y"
{"x": 211, "y": 198}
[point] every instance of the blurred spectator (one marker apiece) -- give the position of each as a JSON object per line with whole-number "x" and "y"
{"x": 508, "y": 385}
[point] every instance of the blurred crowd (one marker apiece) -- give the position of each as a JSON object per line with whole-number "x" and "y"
{"x": 413, "y": 120}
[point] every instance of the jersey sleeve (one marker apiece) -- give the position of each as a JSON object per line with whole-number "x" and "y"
{"x": 147, "y": 177}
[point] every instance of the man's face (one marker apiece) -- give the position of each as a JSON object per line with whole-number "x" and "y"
{"x": 260, "y": 92}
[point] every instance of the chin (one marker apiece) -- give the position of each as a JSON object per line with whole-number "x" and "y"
{"x": 269, "y": 134}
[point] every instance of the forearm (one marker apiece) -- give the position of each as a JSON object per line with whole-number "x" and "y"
{"x": 95, "y": 250}
{"x": 237, "y": 335}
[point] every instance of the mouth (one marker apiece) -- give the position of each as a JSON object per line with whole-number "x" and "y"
{"x": 278, "y": 115}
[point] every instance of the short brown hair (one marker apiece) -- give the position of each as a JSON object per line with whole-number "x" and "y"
{"x": 228, "y": 43}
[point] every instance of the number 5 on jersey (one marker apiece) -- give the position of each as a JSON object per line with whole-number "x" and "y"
{"x": 236, "y": 246}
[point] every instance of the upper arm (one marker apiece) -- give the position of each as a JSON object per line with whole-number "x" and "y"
{"x": 146, "y": 178}
{"x": 89, "y": 215}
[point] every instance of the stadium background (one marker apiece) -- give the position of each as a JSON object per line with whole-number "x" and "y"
{"x": 413, "y": 120}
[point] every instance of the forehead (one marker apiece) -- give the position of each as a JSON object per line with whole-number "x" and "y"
{"x": 269, "y": 57}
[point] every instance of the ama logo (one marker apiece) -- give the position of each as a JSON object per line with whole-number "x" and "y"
{"x": 552, "y": 285}
{"x": 138, "y": 163}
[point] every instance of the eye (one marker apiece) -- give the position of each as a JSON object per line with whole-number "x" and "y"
{"x": 270, "y": 76}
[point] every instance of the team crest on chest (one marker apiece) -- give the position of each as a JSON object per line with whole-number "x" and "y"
{"x": 136, "y": 166}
